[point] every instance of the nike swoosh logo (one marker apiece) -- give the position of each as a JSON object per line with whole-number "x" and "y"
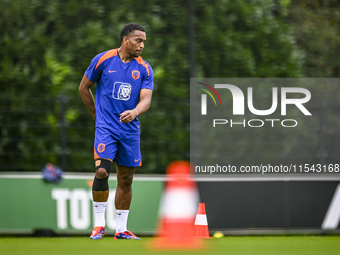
{"x": 112, "y": 71}
{"x": 136, "y": 160}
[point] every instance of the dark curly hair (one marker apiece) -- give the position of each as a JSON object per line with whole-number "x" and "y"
{"x": 129, "y": 28}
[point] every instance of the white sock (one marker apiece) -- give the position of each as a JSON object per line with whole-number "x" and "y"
{"x": 99, "y": 213}
{"x": 122, "y": 216}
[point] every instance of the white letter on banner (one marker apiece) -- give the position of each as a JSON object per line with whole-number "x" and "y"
{"x": 61, "y": 195}
{"x": 80, "y": 209}
{"x": 111, "y": 210}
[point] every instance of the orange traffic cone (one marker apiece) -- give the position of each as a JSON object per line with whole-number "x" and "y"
{"x": 177, "y": 212}
{"x": 201, "y": 229}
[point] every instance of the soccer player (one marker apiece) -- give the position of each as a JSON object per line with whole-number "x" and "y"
{"x": 124, "y": 90}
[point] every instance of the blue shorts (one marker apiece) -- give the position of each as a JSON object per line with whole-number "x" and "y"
{"x": 122, "y": 148}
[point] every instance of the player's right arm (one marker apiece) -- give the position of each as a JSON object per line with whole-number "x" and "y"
{"x": 86, "y": 95}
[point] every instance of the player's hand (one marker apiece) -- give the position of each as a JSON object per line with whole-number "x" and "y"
{"x": 128, "y": 116}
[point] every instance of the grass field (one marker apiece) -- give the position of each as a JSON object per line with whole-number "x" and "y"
{"x": 325, "y": 245}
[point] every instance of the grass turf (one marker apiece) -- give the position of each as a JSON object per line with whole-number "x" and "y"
{"x": 263, "y": 245}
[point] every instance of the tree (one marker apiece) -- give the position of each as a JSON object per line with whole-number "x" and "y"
{"x": 46, "y": 46}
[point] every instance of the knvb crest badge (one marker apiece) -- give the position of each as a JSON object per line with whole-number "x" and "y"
{"x": 101, "y": 147}
{"x": 135, "y": 74}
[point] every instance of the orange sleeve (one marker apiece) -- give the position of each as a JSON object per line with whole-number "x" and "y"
{"x": 108, "y": 54}
{"x": 141, "y": 61}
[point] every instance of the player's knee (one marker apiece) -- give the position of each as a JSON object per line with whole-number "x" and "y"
{"x": 101, "y": 173}
{"x": 103, "y": 168}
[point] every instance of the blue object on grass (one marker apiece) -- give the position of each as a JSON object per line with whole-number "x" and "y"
{"x": 52, "y": 173}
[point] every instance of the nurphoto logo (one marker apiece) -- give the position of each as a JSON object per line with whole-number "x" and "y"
{"x": 287, "y": 97}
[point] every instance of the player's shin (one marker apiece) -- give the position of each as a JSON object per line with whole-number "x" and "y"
{"x": 100, "y": 193}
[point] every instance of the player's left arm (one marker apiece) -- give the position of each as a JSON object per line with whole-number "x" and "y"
{"x": 145, "y": 96}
